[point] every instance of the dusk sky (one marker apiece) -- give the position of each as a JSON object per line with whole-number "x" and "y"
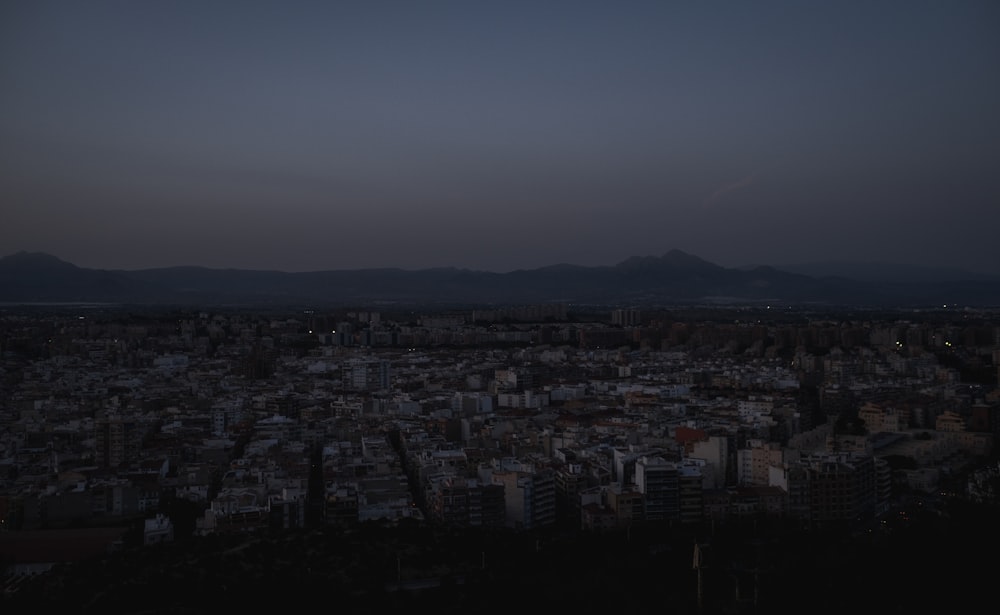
{"x": 302, "y": 136}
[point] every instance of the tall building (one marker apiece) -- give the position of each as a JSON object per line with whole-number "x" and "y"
{"x": 691, "y": 493}
{"x": 259, "y": 363}
{"x": 570, "y": 482}
{"x": 366, "y": 374}
{"x": 529, "y": 494}
{"x": 118, "y": 441}
{"x": 715, "y": 452}
{"x": 625, "y": 317}
{"x": 659, "y": 482}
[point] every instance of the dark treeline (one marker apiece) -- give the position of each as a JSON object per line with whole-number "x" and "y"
{"x": 933, "y": 558}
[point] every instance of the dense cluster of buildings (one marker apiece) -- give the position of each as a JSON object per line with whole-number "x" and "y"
{"x": 504, "y": 418}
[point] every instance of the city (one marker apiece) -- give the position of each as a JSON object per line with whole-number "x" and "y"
{"x": 499, "y": 307}
{"x": 137, "y": 430}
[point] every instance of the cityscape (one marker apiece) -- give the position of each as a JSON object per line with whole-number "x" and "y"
{"x": 383, "y": 459}
{"x": 489, "y": 308}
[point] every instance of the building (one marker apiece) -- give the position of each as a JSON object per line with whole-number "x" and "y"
{"x": 529, "y": 495}
{"x": 157, "y": 530}
{"x": 691, "y": 493}
{"x": 466, "y": 502}
{"x": 841, "y": 487}
{"x": 625, "y": 317}
{"x": 659, "y": 483}
{"x": 570, "y": 482}
{"x": 118, "y": 441}
{"x": 366, "y": 374}
{"x": 754, "y": 462}
{"x": 626, "y": 502}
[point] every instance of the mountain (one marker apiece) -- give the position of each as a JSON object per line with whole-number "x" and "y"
{"x": 39, "y": 277}
{"x": 673, "y": 278}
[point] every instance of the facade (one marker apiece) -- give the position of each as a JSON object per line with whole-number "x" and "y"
{"x": 570, "y": 482}
{"x": 530, "y": 497}
{"x": 157, "y": 530}
{"x": 341, "y": 505}
{"x": 690, "y": 492}
{"x": 715, "y": 452}
{"x": 754, "y": 462}
{"x": 366, "y": 374}
{"x": 466, "y": 502}
{"x": 118, "y": 441}
{"x": 659, "y": 482}
{"x": 627, "y": 504}
{"x": 625, "y": 317}
{"x": 843, "y": 487}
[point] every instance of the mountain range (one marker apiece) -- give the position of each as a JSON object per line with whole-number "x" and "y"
{"x": 674, "y": 278}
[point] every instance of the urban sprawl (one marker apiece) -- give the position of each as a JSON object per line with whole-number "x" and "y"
{"x": 517, "y": 417}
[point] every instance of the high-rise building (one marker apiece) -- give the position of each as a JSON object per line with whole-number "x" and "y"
{"x": 625, "y": 317}
{"x": 118, "y": 441}
{"x": 690, "y": 487}
{"x": 570, "y": 482}
{"x": 366, "y": 374}
{"x": 659, "y": 482}
{"x": 529, "y": 494}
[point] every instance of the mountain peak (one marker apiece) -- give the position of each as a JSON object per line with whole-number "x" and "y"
{"x": 674, "y": 262}
{"x": 679, "y": 258}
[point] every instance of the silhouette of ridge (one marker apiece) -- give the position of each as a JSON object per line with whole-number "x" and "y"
{"x": 673, "y": 277}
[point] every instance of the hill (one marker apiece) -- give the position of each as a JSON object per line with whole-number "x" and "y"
{"x": 672, "y": 278}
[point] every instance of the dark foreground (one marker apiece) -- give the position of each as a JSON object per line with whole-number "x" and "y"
{"x": 920, "y": 560}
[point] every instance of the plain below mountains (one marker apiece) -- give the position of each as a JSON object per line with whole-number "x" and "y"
{"x": 675, "y": 278}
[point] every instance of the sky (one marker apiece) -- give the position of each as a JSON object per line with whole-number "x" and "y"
{"x": 302, "y": 136}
